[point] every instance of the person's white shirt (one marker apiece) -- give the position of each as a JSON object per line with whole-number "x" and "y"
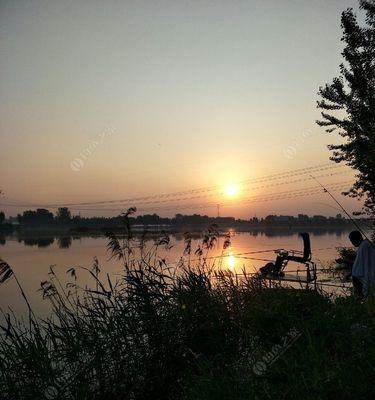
{"x": 364, "y": 266}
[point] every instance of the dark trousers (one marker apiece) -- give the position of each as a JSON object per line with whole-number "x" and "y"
{"x": 358, "y": 287}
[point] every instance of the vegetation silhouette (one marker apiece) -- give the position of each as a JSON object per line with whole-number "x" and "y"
{"x": 188, "y": 331}
{"x": 42, "y": 218}
{"x": 352, "y": 96}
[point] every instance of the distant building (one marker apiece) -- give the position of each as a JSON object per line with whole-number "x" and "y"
{"x": 12, "y": 220}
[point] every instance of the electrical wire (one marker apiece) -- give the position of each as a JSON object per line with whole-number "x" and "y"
{"x": 177, "y": 196}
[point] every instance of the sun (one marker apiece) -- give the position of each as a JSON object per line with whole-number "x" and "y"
{"x": 231, "y": 190}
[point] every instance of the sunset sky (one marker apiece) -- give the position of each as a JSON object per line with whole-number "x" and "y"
{"x": 106, "y": 100}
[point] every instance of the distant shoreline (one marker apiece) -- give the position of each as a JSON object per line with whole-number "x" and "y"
{"x": 169, "y": 229}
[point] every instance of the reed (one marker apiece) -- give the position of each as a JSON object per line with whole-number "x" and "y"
{"x": 162, "y": 332}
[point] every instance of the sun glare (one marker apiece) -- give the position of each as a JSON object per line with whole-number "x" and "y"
{"x": 231, "y": 190}
{"x": 231, "y": 262}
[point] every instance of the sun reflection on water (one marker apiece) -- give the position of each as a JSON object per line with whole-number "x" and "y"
{"x": 231, "y": 262}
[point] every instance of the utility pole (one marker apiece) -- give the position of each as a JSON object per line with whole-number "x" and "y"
{"x": 218, "y": 210}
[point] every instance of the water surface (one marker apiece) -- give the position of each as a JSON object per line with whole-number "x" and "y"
{"x": 32, "y": 257}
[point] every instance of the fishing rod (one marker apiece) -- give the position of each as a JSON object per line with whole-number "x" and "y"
{"x": 342, "y": 208}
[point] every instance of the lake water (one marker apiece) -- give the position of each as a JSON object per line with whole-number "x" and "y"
{"x": 31, "y": 258}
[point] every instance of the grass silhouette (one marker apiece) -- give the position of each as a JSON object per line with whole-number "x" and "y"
{"x": 185, "y": 332}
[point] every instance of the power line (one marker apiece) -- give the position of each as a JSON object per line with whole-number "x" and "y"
{"x": 340, "y": 186}
{"x": 176, "y": 196}
{"x": 258, "y": 198}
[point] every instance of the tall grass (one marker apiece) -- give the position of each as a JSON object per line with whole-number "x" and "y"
{"x": 162, "y": 332}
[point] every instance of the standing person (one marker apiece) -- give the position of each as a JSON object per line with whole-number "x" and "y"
{"x": 363, "y": 270}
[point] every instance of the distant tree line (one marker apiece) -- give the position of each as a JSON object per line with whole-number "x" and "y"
{"x": 63, "y": 217}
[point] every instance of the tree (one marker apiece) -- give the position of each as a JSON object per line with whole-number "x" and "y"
{"x": 2, "y": 217}
{"x": 39, "y": 217}
{"x": 63, "y": 215}
{"x": 348, "y": 103}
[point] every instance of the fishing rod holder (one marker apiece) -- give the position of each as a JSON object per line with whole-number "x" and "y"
{"x": 275, "y": 270}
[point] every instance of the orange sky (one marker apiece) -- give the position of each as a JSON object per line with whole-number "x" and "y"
{"x": 115, "y": 100}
